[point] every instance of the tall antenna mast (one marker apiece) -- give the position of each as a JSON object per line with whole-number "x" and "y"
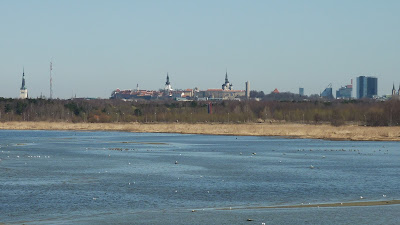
{"x": 51, "y": 80}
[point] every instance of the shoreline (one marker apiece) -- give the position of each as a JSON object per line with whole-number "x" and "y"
{"x": 343, "y": 204}
{"x": 289, "y": 130}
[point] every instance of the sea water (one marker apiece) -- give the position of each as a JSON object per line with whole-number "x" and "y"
{"x": 64, "y": 177}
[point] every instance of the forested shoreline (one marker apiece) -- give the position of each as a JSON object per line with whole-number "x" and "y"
{"x": 336, "y": 112}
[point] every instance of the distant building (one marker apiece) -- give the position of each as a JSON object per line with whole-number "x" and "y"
{"x": 226, "y": 93}
{"x": 367, "y": 87}
{"x": 145, "y": 94}
{"x": 187, "y": 93}
{"x": 327, "y": 93}
{"x": 247, "y": 89}
{"x": 395, "y": 94}
{"x": 220, "y": 94}
{"x": 227, "y": 86}
{"x": 23, "y": 91}
{"x": 275, "y": 91}
{"x": 301, "y": 91}
{"x": 345, "y": 92}
{"x": 168, "y": 88}
{"x": 136, "y": 94}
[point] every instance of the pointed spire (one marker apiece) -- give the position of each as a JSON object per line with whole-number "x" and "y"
{"x": 167, "y": 83}
{"x": 23, "y": 79}
{"x": 226, "y": 85}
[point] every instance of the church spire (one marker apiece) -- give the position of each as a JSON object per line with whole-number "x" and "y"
{"x": 23, "y": 93}
{"x": 226, "y": 85}
{"x": 167, "y": 83}
{"x": 23, "y": 79}
{"x": 168, "y": 88}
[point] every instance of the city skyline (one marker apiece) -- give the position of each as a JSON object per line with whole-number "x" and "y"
{"x": 228, "y": 86}
{"x": 98, "y": 46}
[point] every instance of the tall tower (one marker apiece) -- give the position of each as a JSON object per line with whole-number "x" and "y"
{"x": 393, "y": 90}
{"x": 247, "y": 89}
{"x": 301, "y": 91}
{"x": 51, "y": 80}
{"x": 23, "y": 91}
{"x": 168, "y": 87}
{"x": 361, "y": 90}
{"x": 367, "y": 87}
{"x": 227, "y": 85}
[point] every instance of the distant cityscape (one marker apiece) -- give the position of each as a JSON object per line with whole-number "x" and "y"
{"x": 222, "y": 105}
{"x": 367, "y": 88}
{"x": 225, "y": 93}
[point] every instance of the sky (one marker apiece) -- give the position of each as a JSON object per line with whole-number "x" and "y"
{"x": 98, "y": 46}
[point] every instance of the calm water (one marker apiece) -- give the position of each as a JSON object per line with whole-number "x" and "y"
{"x": 139, "y": 178}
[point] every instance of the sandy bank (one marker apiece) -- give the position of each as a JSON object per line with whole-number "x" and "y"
{"x": 344, "y": 204}
{"x": 254, "y": 129}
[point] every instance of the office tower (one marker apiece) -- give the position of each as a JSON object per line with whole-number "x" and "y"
{"x": 367, "y": 87}
{"x": 301, "y": 91}
{"x": 345, "y": 92}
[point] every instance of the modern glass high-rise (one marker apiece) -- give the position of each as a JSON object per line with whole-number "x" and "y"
{"x": 367, "y": 87}
{"x": 344, "y": 92}
{"x": 372, "y": 87}
{"x": 327, "y": 93}
{"x": 301, "y": 91}
{"x": 361, "y": 87}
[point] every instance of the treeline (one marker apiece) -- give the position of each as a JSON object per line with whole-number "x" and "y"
{"x": 283, "y": 96}
{"x": 337, "y": 112}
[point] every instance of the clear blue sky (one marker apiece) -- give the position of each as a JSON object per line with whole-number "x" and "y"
{"x": 98, "y": 46}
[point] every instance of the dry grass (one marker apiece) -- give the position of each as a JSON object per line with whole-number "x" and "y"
{"x": 350, "y": 132}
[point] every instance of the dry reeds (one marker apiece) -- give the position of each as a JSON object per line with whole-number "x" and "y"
{"x": 349, "y": 132}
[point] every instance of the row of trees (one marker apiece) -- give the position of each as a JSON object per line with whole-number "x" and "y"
{"x": 337, "y": 112}
{"x": 283, "y": 96}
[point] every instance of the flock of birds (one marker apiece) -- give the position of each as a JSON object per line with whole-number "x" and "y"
{"x": 252, "y": 154}
{"x": 28, "y": 156}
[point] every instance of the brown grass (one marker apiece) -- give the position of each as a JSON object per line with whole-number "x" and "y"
{"x": 349, "y": 132}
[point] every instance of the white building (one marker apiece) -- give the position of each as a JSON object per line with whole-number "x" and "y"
{"x": 23, "y": 91}
{"x": 168, "y": 88}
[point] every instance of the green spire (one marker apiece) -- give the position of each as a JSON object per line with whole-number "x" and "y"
{"x": 23, "y": 87}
